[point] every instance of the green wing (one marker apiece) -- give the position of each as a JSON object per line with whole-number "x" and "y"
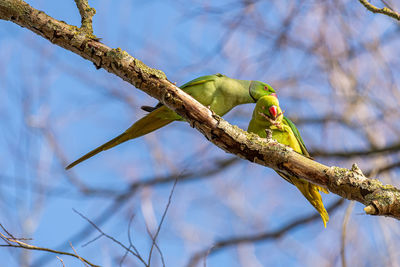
{"x": 298, "y": 136}
{"x": 197, "y": 81}
{"x": 202, "y": 79}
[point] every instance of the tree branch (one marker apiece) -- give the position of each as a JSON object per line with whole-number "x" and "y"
{"x": 11, "y": 241}
{"x": 87, "y": 14}
{"x": 259, "y": 237}
{"x": 393, "y": 148}
{"x": 350, "y": 184}
{"x": 385, "y": 10}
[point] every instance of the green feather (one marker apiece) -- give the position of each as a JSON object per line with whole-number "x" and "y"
{"x": 201, "y": 80}
{"x": 298, "y": 136}
{"x": 219, "y": 92}
{"x": 285, "y": 132}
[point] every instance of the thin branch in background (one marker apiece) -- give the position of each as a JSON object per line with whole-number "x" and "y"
{"x": 159, "y": 226}
{"x": 344, "y": 231}
{"x": 15, "y": 243}
{"x": 385, "y": 10}
{"x": 131, "y": 245}
{"x": 279, "y": 233}
{"x": 117, "y": 204}
{"x": 387, "y": 4}
{"x": 353, "y": 50}
{"x": 110, "y": 237}
{"x": 129, "y": 235}
{"x": 62, "y": 262}
{"x": 122, "y": 197}
{"x": 93, "y": 240}
{"x": 127, "y": 249}
{"x": 76, "y": 253}
{"x": 124, "y": 257}
{"x": 379, "y": 170}
{"x": 10, "y": 235}
{"x": 393, "y": 148}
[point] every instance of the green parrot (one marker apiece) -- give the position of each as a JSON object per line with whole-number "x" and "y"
{"x": 219, "y": 92}
{"x": 268, "y": 115}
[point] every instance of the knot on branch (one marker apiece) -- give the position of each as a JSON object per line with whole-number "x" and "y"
{"x": 352, "y": 184}
{"x": 384, "y": 201}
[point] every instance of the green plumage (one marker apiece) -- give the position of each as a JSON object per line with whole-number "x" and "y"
{"x": 268, "y": 115}
{"x": 218, "y": 92}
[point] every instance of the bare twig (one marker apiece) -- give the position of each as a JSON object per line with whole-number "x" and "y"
{"x": 393, "y": 148}
{"x": 344, "y": 231}
{"x": 12, "y": 242}
{"x": 223, "y": 244}
{"x": 120, "y": 198}
{"x": 131, "y": 245}
{"x": 159, "y": 226}
{"x": 62, "y": 262}
{"x": 385, "y": 10}
{"x": 76, "y": 253}
{"x": 383, "y": 169}
{"x": 110, "y": 237}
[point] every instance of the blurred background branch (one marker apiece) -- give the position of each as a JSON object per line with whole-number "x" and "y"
{"x": 11, "y": 241}
{"x": 335, "y": 68}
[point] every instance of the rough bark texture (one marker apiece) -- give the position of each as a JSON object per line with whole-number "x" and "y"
{"x": 87, "y": 14}
{"x": 350, "y": 184}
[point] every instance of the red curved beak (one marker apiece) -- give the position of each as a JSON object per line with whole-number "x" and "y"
{"x": 273, "y": 111}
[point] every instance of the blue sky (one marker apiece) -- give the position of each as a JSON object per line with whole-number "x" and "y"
{"x": 55, "y": 106}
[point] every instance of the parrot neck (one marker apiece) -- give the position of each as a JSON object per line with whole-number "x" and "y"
{"x": 230, "y": 93}
{"x": 243, "y": 95}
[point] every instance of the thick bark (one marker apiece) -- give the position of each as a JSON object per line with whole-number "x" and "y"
{"x": 350, "y": 184}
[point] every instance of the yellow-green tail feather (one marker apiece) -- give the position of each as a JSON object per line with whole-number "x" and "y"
{"x": 311, "y": 193}
{"x": 149, "y": 123}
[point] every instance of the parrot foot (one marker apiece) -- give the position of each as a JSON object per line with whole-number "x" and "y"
{"x": 213, "y": 114}
{"x": 273, "y": 121}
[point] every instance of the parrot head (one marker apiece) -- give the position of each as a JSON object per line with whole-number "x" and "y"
{"x": 258, "y": 89}
{"x": 268, "y": 109}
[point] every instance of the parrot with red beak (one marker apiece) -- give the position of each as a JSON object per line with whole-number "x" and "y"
{"x": 268, "y": 115}
{"x": 219, "y": 92}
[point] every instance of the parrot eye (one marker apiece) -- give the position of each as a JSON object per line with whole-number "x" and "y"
{"x": 266, "y": 88}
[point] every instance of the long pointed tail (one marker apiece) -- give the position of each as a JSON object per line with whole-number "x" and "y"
{"x": 149, "y": 123}
{"x": 117, "y": 140}
{"x": 311, "y": 193}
